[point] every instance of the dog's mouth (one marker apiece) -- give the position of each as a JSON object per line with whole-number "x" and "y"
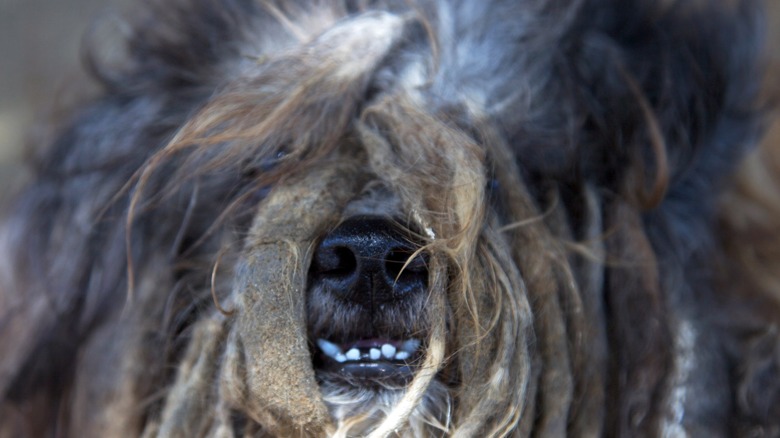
{"x": 366, "y": 300}
{"x": 370, "y": 361}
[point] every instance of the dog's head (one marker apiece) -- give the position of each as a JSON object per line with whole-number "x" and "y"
{"x": 467, "y": 217}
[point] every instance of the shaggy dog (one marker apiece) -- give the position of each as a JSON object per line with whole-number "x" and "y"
{"x": 413, "y": 218}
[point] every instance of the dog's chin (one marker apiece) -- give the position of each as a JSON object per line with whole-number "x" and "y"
{"x": 358, "y": 404}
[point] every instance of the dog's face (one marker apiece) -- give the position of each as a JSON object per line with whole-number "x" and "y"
{"x": 476, "y": 218}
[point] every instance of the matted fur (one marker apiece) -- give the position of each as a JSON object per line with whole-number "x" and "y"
{"x": 597, "y": 267}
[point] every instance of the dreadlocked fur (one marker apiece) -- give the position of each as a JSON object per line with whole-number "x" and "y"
{"x": 594, "y": 266}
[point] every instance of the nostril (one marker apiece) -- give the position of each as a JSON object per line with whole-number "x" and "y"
{"x": 401, "y": 269}
{"x": 398, "y": 257}
{"x": 334, "y": 262}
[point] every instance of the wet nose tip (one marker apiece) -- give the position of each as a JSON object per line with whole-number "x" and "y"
{"x": 366, "y": 258}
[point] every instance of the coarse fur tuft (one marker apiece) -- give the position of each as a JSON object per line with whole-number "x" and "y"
{"x": 598, "y": 263}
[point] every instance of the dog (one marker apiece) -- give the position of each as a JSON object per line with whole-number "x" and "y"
{"x": 403, "y": 218}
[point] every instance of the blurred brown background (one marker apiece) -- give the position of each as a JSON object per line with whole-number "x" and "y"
{"x": 40, "y": 66}
{"x": 40, "y": 42}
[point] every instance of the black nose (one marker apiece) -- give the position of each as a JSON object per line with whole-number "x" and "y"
{"x": 362, "y": 261}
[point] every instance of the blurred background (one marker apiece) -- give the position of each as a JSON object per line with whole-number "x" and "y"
{"x": 40, "y": 67}
{"x": 40, "y": 64}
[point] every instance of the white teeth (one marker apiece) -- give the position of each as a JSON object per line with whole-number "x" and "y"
{"x": 328, "y": 348}
{"x": 411, "y": 345}
{"x": 332, "y": 350}
{"x": 353, "y": 354}
{"x": 388, "y": 351}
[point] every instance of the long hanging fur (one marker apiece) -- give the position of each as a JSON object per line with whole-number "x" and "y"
{"x": 599, "y": 264}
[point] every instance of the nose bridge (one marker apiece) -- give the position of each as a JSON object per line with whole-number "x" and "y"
{"x": 370, "y": 239}
{"x": 375, "y": 200}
